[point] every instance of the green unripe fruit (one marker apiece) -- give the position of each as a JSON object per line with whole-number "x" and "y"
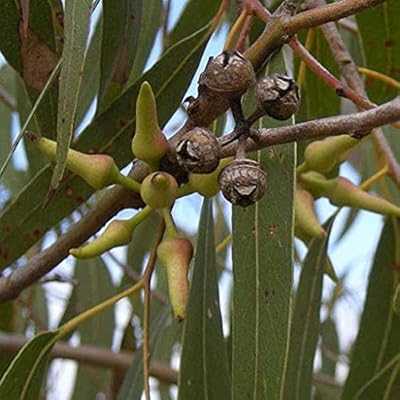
{"x": 149, "y": 143}
{"x": 324, "y": 155}
{"x": 307, "y": 225}
{"x": 341, "y": 192}
{"x": 159, "y": 190}
{"x": 118, "y": 233}
{"x": 98, "y": 170}
{"x": 175, "y": 255}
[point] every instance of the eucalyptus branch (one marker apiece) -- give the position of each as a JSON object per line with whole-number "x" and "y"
{"x": 40, "y": 264}
{"x": 351, "y": 75}
{"x": 356, "y": 124}
{"x": 278, "y": 31}
{"x": 93, "y": 356}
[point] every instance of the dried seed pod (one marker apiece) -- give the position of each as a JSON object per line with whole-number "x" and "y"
{"x": 229, "y": 74}
{"x": 198, "y": 151}
{"x": 243, "y": 182}
{"x": 278, "y": 95}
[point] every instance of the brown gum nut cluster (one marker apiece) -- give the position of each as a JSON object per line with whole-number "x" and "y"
{"x": 227, "y": 77}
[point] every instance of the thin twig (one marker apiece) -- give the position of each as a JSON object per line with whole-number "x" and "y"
{"x": 350, "y": 73}
{"x": 272, "y": 39}
{"x": 148, "y": 273}
{"x": 357, "y": 124}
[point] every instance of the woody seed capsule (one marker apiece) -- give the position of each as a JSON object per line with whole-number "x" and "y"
{"x": 278, "y": 95}
{"x": 198, "y": 151}
{"x": 229, "y": 74}
{"x": 243, "y": 182}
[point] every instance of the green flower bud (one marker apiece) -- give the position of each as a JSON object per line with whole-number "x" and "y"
{"x": 324, "y": 155}
{"x": 117, "y": 233}
{"x": 207, "y": 184}
{"x": 149, "y": 143}
{"x": 348, "y": 194}
{"x": 307, "y": 225}
{"x": 341, "y": 192}
{"x": 98, "y": 170}
{"x": 175, "y": 254}
{"x": 159, "y": 190}
{"x": 316, "y": 183}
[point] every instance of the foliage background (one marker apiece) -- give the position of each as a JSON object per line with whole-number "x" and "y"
{"x": 43, "y": 306}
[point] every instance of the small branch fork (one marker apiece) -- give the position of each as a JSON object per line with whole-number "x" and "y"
{"x": 279, "y": 30}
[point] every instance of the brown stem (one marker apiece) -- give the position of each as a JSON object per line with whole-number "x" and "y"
{"x": 352, "y": 77}
{"x": 358, "y": 124}
{"x": 277, "y": 32}
{"x": 93, "y": 356}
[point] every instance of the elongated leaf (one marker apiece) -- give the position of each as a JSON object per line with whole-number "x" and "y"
{"x": 94, "y": 285}
{"x": 121, "y": 27}
{"x": 204, "y": 372}
{"x": 76, "y": 31}
{"x": 203, "y": 12}
{"x": 33, "y": 53}
{"x": 306, "y": 321}
{"x": 12, "y": 179}
{"x": 151, "y": 20}
{"x": 378, "y": 339}
{"x": 329, "y": 347}
{"x": 24, "y": 376}
{"x": 91, "y": 73}
{"x": 380, "y": 36}
{"x": 317, "y": 99}
{"x": 262, "y": 270}
{"x": 169, "y": 78}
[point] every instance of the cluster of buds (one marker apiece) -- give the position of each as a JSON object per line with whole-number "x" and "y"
{"x": 320, "y": 159}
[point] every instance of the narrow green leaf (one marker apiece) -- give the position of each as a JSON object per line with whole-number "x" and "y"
{"x": 378, "y": 339}
{"x": 94, "y": 285}
{"x": 76, "y": 31}
{"x": 151, "y": 21}
{"x": 34, "y": 54}
{"x": 24, "y": 376}
{"x": 305, "y": 325}
{"x": 317, "y": 99}
{"x": 262, "y": 272}
{"x": 329, "y": 347}
{"x": 204, "y": 372}
{"x": 91, "y": 73}
{"x": 187, "y": 24}
{"x": 169, "y": 78}
{"x": 121, "y": 27}
{"x": 380, "y": 36}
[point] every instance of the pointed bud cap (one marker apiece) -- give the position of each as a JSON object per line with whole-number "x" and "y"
{"x": 175, "y": 255}
{"x": 159, "y": 190}
{"x": 346, "y": 193}
{"x": 307, "y": 225}
{"x": 117, "y": 233}
{"x": 149, "y": 143}
{"x": 98, "y": 170}
{"x": 323, "y": 155}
